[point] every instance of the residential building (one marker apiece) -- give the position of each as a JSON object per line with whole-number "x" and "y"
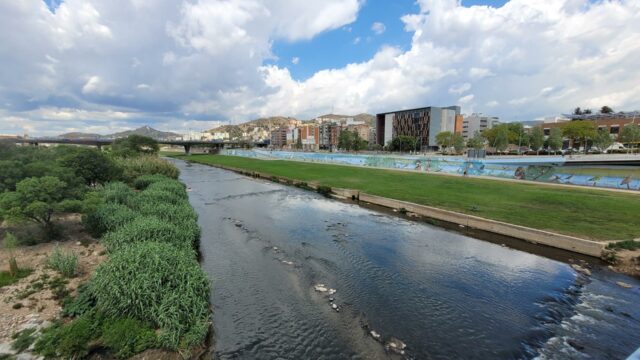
{"x": 328, "y": 135}
{"x": 279, "y": 137}
{"x": 309, "y": 137}
{"x": 613, "y": 125}
{"x": 362, "y": 129}
{"x": 422, "y": 123}
{"x": 477, "y": 122}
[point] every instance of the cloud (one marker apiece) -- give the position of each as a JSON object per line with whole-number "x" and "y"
{"x": 295, "y": 60}
{"x": 356, "y": 41}
{"x": 378, "y": 28}
{"x": 175, "y": 62}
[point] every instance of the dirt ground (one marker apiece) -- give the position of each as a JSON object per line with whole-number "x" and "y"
{"x": 628, "y": 262}
{"x": 36, "y": 297}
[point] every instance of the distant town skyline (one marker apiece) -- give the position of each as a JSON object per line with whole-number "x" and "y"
{"x": 101, "y": 66}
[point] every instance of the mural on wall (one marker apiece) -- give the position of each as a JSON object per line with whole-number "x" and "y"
{"x": 533, "y": 169}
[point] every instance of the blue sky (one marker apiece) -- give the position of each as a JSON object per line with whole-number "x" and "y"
{"x": 108, "y": 65}
{"x": 355, "y": 42}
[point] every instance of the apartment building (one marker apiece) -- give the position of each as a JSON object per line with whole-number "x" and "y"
{"x": 477, "y": 122}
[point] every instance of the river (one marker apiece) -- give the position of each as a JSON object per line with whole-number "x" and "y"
{"x": 444, "y": 294}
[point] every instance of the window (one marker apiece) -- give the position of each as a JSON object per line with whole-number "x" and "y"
{"x": 615, "y": 129}
{"x": 547, "y": 132}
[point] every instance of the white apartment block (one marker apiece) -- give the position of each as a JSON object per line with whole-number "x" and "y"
{"x": 477, "y": 122}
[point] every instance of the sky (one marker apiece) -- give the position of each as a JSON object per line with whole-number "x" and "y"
{"x": 102, "y": 66}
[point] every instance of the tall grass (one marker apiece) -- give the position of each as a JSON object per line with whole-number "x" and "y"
{"x": 66, "y": 263}
{"x": 151, "y": 228}
{"x": 146, "y": 165}
{"x": 107, "y": 217}
{"x": 156, "y": 283}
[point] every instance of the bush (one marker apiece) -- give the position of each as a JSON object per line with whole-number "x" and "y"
{"x": 117, "y": 193}
{"x": 624, "y": 245}
{"x": 69, "y": 341}
{"x": 150, "y": 228}
{"x": 64, "y": 263}
{"x": 146, "y": 165}
{"x": 127, "y": 337}
{"x": 83, "y": 303}
{"x": 107, "y": 217}
{"x": 156, "y": 283}
{"x": 142, "y": 182}
{"x": 153, "y": 196}
{"x": 171, "y": 186}
{"x": 175, "y": 214}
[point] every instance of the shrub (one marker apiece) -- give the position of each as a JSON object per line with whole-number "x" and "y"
{"x": 62, "y": 262}
{"x": 127, "y": 337}
{"x": 107, "y": 217}
{"x": 146, "y": 165}
{"x": 156, "y": 196}
{"x": 156, "y": 283}
{"x": 151, "y": 228}
{"x": 83, "y": 303}
{"x": 172, "y": 186}
{"x": 69, "y": 341}
{"x": 117, "y": 193}
{"x": 142, "y": 182}
{"x": 175, "y": 214}
{"x": 624, "y": 245}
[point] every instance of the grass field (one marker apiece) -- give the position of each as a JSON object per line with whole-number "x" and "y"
{"x": 592, "y": 214}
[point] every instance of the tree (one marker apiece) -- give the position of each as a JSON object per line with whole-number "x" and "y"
{"x": 91, "y": 165}
{"x": 476, "y": 142}
{"x": 458, "y": 143}
{"x": 577, "y": 111}
{"x": 403, "y": 143}
{"x": 345, "y": 140}
{"x": 11, "y": 172}
{"x": 537, "y": 138}
{"x": 602, "y": 140}
{"x": 134, "y": 145}
{"x": 579, "y": 130}
{"x": 299, "y": 142}
{"x": 587, "y": 111}
{"x": 606, "y": 110}
{"x": 36, "y": 200}
{"x": 501, "y": 142}
{"x": 444, "y": 140}
{"x": 555, "y": 139}
{"x": 630, "y": 135}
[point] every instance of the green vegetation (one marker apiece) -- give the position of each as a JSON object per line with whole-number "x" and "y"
{"x": 403, "y": 143}
{"x": 350, "y": 140}
{"x": 625, "y": 245}
{"x": 64, "y": 263}
{"x": 23, "y": 339}
{"x": 145, "y": 165}
{"x": 156, "y": 283}
{"x": 134, "y": 145}
{"x": 447, "y": 140}
{"x": 7, "y": 279}
{"x": 151, "y": 228}
{"x": 127, "y": 337}
{"x": 152, "y": 282}
{"x": 594, "y": 214}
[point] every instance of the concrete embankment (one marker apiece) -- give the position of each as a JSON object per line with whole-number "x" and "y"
{"x": 535, "y": 236}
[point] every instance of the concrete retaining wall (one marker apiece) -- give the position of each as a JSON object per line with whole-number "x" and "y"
{"x": 565, "y": 242}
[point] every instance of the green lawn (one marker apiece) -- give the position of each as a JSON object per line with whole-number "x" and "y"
{"x": 593, "y": 214}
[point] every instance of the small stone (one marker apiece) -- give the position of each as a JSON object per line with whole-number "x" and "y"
{"x": 375, "y": 335}
{"x": 503, "y": 245}
{"x": 78, "y": 243}
{"x": 320, "y": 288}
{"x": 332, "y": 299}
{"x": 287, "y": 262}
{"x": 580, "y": 269}
{"x": 5, "y": 349}
{"x": 238, "y": 225}
{"x": 332, "y": 291}
{"x": 624, "y": 285}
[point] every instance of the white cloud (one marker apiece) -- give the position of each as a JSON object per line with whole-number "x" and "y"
{"x": 295, "y": 60}
{"x": 378, "y": 28}
{"x": 356, "y": 41}
{"x": 193, "y": 61}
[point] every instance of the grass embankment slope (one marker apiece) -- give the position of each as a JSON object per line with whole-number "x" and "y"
{"x": 592, "y": 214}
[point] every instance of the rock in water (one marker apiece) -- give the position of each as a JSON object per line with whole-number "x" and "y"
{"x": 375, "y": 335}
{"x": 580, "y": 269}
{"x": 321, "y": 288}
{"x": 396, "y": 346}
{"x": 624, "y": 285}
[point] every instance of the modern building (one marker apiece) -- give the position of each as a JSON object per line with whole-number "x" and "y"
{"x": 613, "y": 125}
{"x": 477, "y": 122}
{"x": 422, "y": 123}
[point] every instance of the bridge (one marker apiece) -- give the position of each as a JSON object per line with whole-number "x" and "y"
{"x": 99, "y": 143}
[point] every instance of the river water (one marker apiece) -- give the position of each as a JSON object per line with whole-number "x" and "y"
{"x": 443, "y": 294}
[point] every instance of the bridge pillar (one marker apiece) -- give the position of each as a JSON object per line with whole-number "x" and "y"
{"x": 99, "y": 146}
{"x": 187, "y": 149}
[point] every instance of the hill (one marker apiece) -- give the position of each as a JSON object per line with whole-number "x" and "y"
{"x": 146, "y": 131}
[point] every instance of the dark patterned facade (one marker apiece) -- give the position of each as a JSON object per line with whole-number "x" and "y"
{"x": 413, "y": 123}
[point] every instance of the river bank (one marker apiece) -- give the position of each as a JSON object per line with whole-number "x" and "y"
{"x": 270, "y": 246}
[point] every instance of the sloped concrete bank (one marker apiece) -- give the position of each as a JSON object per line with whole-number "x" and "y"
{"x": 531, "y": 235}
